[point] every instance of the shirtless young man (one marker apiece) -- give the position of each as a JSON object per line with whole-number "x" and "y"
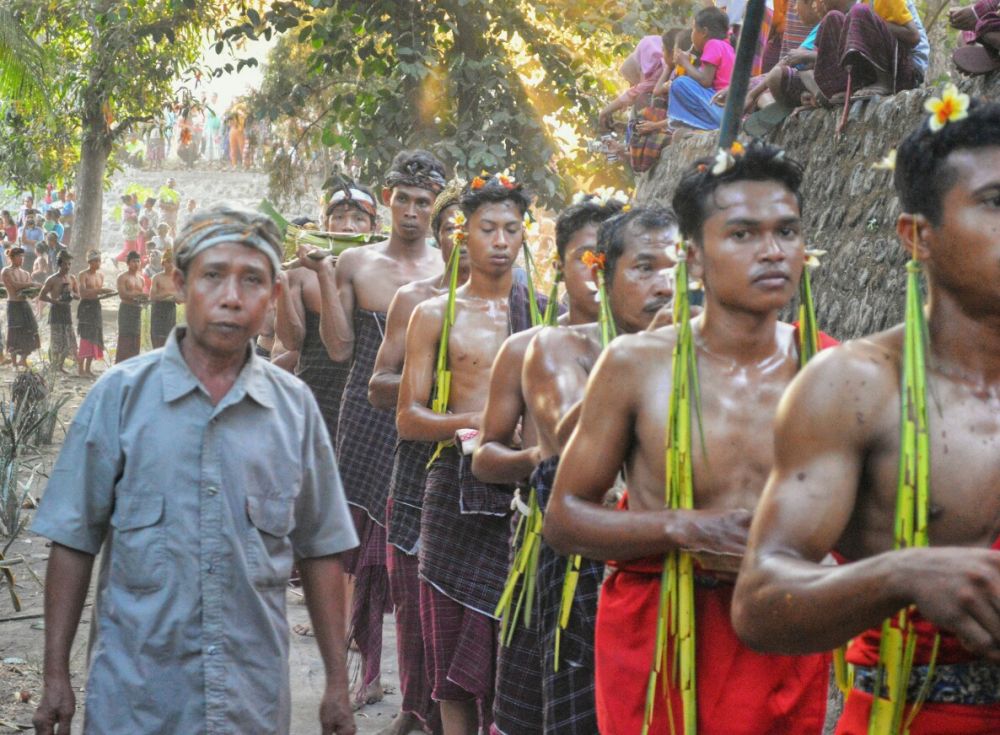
{"x": 638, "y": 248}
{"x": 464, "y": 523}
{"x": 745, "y": 242}
{"x": 833, "y": 487}
{"x": 22, "y": 329}
{"x": 354, "y": 300}
{"x": 409, "y": 473}
{"x": 164, "y": 296}
{"x": 59, "y": 290}
{"x": 507, "y": 452}
{"x": 297, "y": 317}
{"x": 131, "y": 291}
{"x": 89, "y": 320}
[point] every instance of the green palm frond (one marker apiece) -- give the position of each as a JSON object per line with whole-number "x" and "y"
{"x": 21, "y": 61}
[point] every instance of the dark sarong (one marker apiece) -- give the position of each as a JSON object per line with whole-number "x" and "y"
{"x": 406, "y": 493}
{"x": 324, "y": 377}
{"x": 22, "y": 329}
{"x": 62, "y": 339}
{"x": 463, "y": 554}
{"x": 371, "y": 594}
{"x": 129, "y": 329}
{"x": 414, "y": 680}
{"x": 366, "y": 436}
{"x": 162, "y": 318}
{"x": 567, "y": 694}
{"x": 89, "y": 322}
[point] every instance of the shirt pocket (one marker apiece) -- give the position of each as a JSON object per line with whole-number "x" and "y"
{"x": 139, "y": 547}
{"x": 269, "y": 551}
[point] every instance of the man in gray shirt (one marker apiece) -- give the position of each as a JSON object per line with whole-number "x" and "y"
{"x": 200, "y": 472}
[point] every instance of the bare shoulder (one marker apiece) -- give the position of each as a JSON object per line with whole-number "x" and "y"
{"x": 430, "y": 312}
{"x": 516, "y": 345}
{"x": 867, "y": 366}
{"x": 409, "y": 295}
{"x": 645, "y": 349}
{"x": 297, "y": 277}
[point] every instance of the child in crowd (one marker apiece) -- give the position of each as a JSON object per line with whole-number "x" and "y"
{"x": 641, "y": 70}
{"x": 691, "y": 104}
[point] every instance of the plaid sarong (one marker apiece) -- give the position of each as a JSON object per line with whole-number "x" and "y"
{"x": 371, "y": 596}
{"x": 89, "y": 322}
{"x": 644, "y": 150}
{"x": 411, "y": 643}
{"x": 325, "y": 378}
{"x": 462, "y": 554}
{"x": 366, "y": 436}
{"x": 406, "y": 493}
{"x": 162, "y": 318}
{"x": 22, "y": 329}
{"x": 567, "y": 695}
{"x": 129, "y": 320}
{"x": 62, "y": 343}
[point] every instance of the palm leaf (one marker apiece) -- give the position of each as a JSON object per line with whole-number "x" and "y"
{"x": 22, "y": 71}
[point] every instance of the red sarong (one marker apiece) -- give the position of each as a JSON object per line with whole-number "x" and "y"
{"x": 739, "y": 691}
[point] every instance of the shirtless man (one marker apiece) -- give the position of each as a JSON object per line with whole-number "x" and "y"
{"x": 164, "y": 298}
{"x": 354, "y": 300}
{"x": 131, "y": 291}
{"x": 745, "y": 242}
{"x": 89, "y": 319}
{"x": 409, "y": 473}
{"x": 834, "y": 483}
{"x": 464, "y": 523}
{"x": 507, "y": 452}
{"x": 22, "y": 329}
{"x": 297, "y": 316}
{"x": 59, "y": 290}
{"x": 639, "y": 251}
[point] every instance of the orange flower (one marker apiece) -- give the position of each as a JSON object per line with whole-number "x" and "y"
{"x": 477, "y": 183}
{"x": 737, "y": 148}
{"x": 505, "y": 182}
{"x": 594, "y": 261}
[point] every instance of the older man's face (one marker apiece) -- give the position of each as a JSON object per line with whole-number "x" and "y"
{"x": 227, "y": 292}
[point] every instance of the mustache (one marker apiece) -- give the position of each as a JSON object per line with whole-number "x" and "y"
{"x": 654, "y": 306}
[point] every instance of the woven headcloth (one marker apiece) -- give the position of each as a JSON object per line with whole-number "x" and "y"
{"x": 220, "y": 225}
{"x": 418, "y": 168}
{"x": 448, "y": 197}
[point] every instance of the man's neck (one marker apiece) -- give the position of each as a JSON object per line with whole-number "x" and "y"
{"x": 216, "y": 372}
{"x": 744, "y": 337}
{"x": 398, "y": 246}
{"x": 579, "y": 315}
{"x": 489, "y": 286}
{"x": 963, "y": 345}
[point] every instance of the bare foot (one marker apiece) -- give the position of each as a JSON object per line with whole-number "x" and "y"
{"x": 402, "y": 724}
{"x": 302, "y": 629}
{"x": 372, "y": 694}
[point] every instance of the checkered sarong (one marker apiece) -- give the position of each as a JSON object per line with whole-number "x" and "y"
{"x": 89, "y": 322}
{"x": 129, "y": 320}
{"x": 22, "y": 329}
{"x": 406, "y": 488}
{"x": 325, "y": 378}
{"x": 366, "y": 436}
{"x": 568, "y": 695}
{"x": 462, "y": 554}
{"x": 411, "y": 643}
{"x": 162, "y": 318}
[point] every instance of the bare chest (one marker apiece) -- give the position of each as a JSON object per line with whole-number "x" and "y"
{"x": 377, "y": 280}
{"x": 476, "y": 338}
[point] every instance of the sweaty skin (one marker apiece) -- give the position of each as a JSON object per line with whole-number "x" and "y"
{"x": 835, "y": 476}
{"x": 130, "y": 285}
{"x": 750, "y": 254}
{"x": 162, "y": 287}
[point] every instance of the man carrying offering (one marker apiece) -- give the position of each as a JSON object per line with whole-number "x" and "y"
{"x": 131, "y": 291}
{"x": 22, "y": 329}
{"x": 59, "y": 290}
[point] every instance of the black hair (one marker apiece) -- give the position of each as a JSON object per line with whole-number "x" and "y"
{"x": 346, "y": 184}
{"x": 612, "y": 236}
{"x": 491, "y": 192}
{"x": 760, "y": 161}
{"x": 670, "y": 37}
{"x": 714, "y": 21}
{"x": 577, "y": 216}
{"x": 303, "y": 220}
{"x": 133, "y": 255}
{"x": 417, "y": 166}
{"x": 923, "y": 176}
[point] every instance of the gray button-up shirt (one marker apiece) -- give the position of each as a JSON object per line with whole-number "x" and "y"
{"x": 199, "y": 509}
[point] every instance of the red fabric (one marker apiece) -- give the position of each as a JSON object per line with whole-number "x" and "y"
{"x": 88, "y": 350}
{"x": 739, "y": 692}
{"x": 932, "y": 719}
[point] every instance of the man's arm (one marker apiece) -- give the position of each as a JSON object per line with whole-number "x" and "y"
{"x": 383, "y": 388}
{"x": 46, "y": 291}
{"x": 785, "y": 600}
{"x": 495, "y": 458}
{"x": 414, "y": 419}
{"x": 336, "y": 292}
{"x": 324, "y": 587}
{"x": 67, "y": 580}
{"x": 289, "y": 313}
{"x": 576, "y": 522}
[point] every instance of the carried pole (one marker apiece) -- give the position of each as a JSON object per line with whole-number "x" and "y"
{"x": 740, "y": 82}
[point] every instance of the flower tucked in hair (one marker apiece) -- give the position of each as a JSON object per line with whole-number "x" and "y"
{"x": 594, "y": 261}
{"x": 951, "y": 106}
{"x": 477, "y": 183}
{"x": 726, "y": 159}
{"x": 458, "y": 222}
{"x": 503, "y": 178}
{"x": 603, "y": 195}
{"x": 888, "y": 162}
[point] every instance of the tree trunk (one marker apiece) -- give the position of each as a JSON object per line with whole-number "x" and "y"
{"x": 94, "y": 152}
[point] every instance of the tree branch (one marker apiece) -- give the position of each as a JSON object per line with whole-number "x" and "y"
{"x": 127, "y": 123}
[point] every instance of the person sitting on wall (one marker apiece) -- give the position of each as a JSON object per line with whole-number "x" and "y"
{"x": 981, "y": 22}
{"x": 691, "y": 93}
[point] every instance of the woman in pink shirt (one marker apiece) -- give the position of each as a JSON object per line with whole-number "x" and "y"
{"x": 691, "y": 94}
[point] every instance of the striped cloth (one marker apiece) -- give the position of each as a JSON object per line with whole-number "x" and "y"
{"x": 366, "y": 436}
{"x": 567, "y": 694}
{"x": 371, "y": 593}
{"x": 325, "y": 378}
{"x": 406, "y": 494}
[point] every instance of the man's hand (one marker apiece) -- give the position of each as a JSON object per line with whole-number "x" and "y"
{"x": 307, "y": 258}
{"x": 720, "y": 97}
{"x": 963, "y": 19}
{"x": 335, "y": 715}
{"x": 799, "y": 56}
{"x": 957, "y": 589}
{"x": 723, "y": 532}
{"x": 55, "y": 711}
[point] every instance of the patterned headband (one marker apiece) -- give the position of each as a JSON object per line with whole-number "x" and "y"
{"x": 198, "y": 237}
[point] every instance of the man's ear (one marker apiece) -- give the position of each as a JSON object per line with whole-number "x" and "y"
{"x": 913, "y": 231}
{"x": 180, "y": 283}
{"x": 386, "y": 196}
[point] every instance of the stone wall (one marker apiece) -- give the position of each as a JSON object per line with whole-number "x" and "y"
{"x": 850, "y": 208}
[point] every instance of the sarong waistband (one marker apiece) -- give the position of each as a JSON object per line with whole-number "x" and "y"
{"x": 973, "y": 683}
{"x": 652, "y": 566}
